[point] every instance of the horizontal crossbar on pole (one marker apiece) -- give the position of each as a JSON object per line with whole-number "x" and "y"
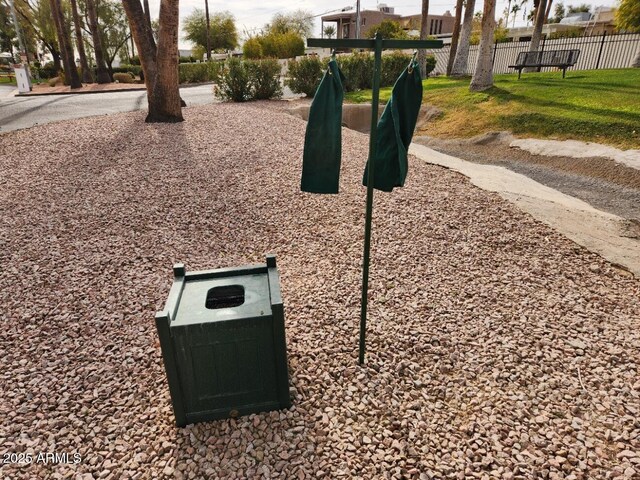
{"x": 371, "y": 43}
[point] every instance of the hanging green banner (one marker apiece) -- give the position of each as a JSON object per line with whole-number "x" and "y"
{"x": 395, "y": 131}
{"x": 323, "y": 140}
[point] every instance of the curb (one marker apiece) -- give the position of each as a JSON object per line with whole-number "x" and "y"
{"x": 186, "y": 85}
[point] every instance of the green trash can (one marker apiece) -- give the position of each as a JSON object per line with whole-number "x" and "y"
{"x": 223, "y": 342}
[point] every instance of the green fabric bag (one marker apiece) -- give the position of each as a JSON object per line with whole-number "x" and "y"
{"x": 395, "y": 131}
{"x": 323, "y": 139}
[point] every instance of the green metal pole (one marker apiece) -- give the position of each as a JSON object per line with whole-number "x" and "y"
{"x": 371, "y": 164}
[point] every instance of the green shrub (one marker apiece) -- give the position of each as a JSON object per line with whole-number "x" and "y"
{"x": 252, "y": 48}
{"x": 570, "y": 33}
{"x": 123, "y": 77}
{"x": 281, "y": 45}
{"x": 134, "y": 69}
{"x": 199, "y": 72}
{"x": 305, "y": 75}
{"x": 430, "y": 64}
{"x": 242, "y": 81}
{"x": 264, "y": 77}
{"x": 392, "y": 66}
{"x": 189, "y": 59}
{"x": 48, "y": 70}
{"x": 234, "y": 82}
{"x": 358, "y": 71}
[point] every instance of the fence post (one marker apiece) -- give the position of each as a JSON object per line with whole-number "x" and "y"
{"x": 604, "y": 34}
{"x": 495, "y": 49}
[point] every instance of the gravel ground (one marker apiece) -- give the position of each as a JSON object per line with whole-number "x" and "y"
{"x": 601, "y": 182}
{"x": 497, "y": 347}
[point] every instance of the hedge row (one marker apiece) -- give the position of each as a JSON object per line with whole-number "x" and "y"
{"x": 306, "y": 73}
{"x": 188, "y": 72}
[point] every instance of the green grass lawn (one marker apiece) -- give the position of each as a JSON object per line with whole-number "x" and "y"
{"x": 5, "y": 80}
{"x": 593, "y": 105}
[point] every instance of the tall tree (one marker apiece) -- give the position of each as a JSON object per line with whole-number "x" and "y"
{"x": 329, "y": 31}
{"x": 455, "y": 36}
{"x": 424, "y": 27}
{"x": 102, "y": 72}
{"x": 299, "y": 22}
{"x": 37, "y": 16}
{"x": 224, "y": 35}
{"x": 548, "y": 11}
{"x": 540, "y": 9}
{"x": 388, "y": 29}
{"x": 515, "y": 9}
{"x": 628, "y": 18}
{"x": 483, "y": 75}
{"x": 159, "y": 63}
{"x": 77, "y": 26}
{"x": 114, "y": 31}
{"x": 66, "y": 49}
{"x": 462, "y": 55}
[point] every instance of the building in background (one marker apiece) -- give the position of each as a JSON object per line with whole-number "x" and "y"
{"x": 578, "y": 24}
{"x": 346, "y": 21}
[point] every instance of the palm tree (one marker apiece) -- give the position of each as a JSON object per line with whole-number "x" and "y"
{"x": 515, "y": 9}
{"x": 540, "y": 11}
{"x": 329, "y": 31}
{"x": 455, "y": 36}
{"x": 462, "y": 55}
{"x": 422, "y": 54}
{"x": 66, "y": 49}
{"x": 159, "y": 63}
{"x": 483, "y": 76}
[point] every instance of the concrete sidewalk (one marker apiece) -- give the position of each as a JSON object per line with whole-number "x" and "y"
{"x": 596, "y": 230}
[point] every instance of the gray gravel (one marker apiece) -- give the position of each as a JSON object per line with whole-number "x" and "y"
{"x": 497, "y": 348}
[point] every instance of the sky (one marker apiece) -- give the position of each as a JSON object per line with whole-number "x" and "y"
{"x": 251, "y": 17}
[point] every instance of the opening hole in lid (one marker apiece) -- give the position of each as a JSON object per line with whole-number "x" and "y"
{"x": 226, "y": 296}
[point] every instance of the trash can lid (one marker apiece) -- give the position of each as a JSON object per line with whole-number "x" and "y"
{"x": 230, "y": 298}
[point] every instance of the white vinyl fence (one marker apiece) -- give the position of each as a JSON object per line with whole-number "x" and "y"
{"x": 601, "y": 51}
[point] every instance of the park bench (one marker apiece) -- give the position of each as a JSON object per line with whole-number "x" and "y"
{"x": 551, "y": 58}
{"x": 7, "y": 73}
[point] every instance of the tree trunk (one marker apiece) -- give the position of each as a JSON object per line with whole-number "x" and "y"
{"x": 422, "y": 53}
{"x": 206, "y": 12}
{"x": 165, "y": 104}
{"x": 102, "y": 72}
{"x": 455, "y": 36}
{"x": 636, "y": 61}
{"x": 77, "y": 24}
{"x": 66, "y": 50}
{"x": 462, "y": 55}
{"x": 147, "y": 14}
{"x": 56, "y": 60}
{"x": 159, "y": 64}
{"x": 537, "y": 30}
{"x": 483, "y": 75}
{"x": 547, "y": 12}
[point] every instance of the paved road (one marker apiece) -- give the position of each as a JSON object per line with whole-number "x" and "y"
{"x": 25, "y": 112}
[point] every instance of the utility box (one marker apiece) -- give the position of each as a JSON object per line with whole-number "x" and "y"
{"x": 22, "y": 78}
{"x": 223, "y": 342}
